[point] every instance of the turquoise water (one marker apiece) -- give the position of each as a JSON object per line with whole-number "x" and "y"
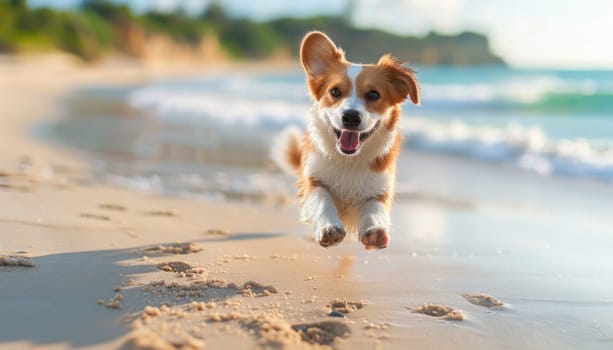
{"x": 564, "y": 104}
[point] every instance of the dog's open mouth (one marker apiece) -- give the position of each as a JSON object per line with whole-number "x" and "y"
{"x": 350, "y": 141}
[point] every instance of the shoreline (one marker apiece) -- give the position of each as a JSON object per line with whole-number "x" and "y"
{"x": 116, "y": 268}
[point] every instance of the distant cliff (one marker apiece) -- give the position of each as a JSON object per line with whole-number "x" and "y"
{"x": 100, "y": 27}
{"x": 366, "y": 45}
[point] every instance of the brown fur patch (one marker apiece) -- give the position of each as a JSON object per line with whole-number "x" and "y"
{"x": 373, "y": 77}
{"x": 308, "y": 185}
{"x": 392, "y": 118}
{"x": 401, "y": 78}
{"x": 294, "y": 155}
{"x": 387, "y": 161}
{"x": 335, "y": 78}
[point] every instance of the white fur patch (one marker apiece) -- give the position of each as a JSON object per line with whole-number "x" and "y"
{"x": 320, "y": 210}
{"x": 353, "y": 71}
{"x": 347, "y": 182}
{"x": 374, "y": 215}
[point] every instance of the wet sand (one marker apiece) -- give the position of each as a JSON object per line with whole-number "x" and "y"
{"x": 121, "y": 269}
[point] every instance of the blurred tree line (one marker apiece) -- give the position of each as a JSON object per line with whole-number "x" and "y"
{"x": 98, "y": 27}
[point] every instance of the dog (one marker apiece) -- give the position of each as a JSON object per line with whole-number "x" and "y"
{"x": 346, "y": 160}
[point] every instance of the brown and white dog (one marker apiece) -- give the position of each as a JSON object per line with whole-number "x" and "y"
{"x": 346, "y": 160}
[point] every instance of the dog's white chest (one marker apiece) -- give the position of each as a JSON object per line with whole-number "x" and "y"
{"x": 348, "y": 183}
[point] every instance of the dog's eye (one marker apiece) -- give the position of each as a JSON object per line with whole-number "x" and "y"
{"x": 335, "y": 92}
{"x": 372, "y": 95}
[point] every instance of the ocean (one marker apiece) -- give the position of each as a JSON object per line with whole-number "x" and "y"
{"x": 209, "y": 135}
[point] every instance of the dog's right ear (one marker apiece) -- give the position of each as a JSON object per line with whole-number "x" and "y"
{"x": 318, "y": 52}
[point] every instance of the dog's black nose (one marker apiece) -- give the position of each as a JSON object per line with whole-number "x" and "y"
{"x": 351, "y": 119}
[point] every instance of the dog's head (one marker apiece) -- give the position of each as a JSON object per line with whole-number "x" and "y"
{"x": 355, "y": 99}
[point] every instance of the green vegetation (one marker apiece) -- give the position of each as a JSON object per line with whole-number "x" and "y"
{"x": 99, "y": 27}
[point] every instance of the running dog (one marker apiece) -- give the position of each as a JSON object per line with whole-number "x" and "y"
{"x": 346, "y": 160}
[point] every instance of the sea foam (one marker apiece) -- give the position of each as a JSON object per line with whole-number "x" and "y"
{"x": 528, "y": 147}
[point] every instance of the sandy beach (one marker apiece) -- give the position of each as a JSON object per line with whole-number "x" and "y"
{"x": 482, "y": 256}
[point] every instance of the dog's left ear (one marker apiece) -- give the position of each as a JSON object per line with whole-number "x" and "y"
{"x": 403, "y": 79}
{"x": 318, "y": 52}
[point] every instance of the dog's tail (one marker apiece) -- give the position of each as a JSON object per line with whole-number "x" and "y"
{"x": 286, "y": 150}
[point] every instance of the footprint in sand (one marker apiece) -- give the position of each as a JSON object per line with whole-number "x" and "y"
{"x": 345, "y": 306}
{"x": 217, "y": 232}
{"x": 442, "y": 311}
{"x": 208, "y": 288}
{"x": 95, "y": 216}
{"x": 271, "y": 332}
{"x": 16, "y": 181}
{"x": 111, "y": 206}
{"x": 165, "y": 213}
{"x": 322, "y": 333}
{"x": 175, "y": 248}
{"x": 174, "y": 266}
{"x": 254, "y": 289}
{"x": 483, "y": 300}
{"x": 180, "y": 267}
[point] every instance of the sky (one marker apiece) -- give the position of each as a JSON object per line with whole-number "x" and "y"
{"x": 526, "y": 33}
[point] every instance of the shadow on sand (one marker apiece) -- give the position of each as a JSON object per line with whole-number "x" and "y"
{"x": 56, "y": 301}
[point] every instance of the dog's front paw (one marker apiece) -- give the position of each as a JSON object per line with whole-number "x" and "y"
{"x": 330, "y": 235}
{"x": 375, "y": 238}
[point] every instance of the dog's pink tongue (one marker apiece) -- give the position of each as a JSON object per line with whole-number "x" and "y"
{"x": 349, "y": 141}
